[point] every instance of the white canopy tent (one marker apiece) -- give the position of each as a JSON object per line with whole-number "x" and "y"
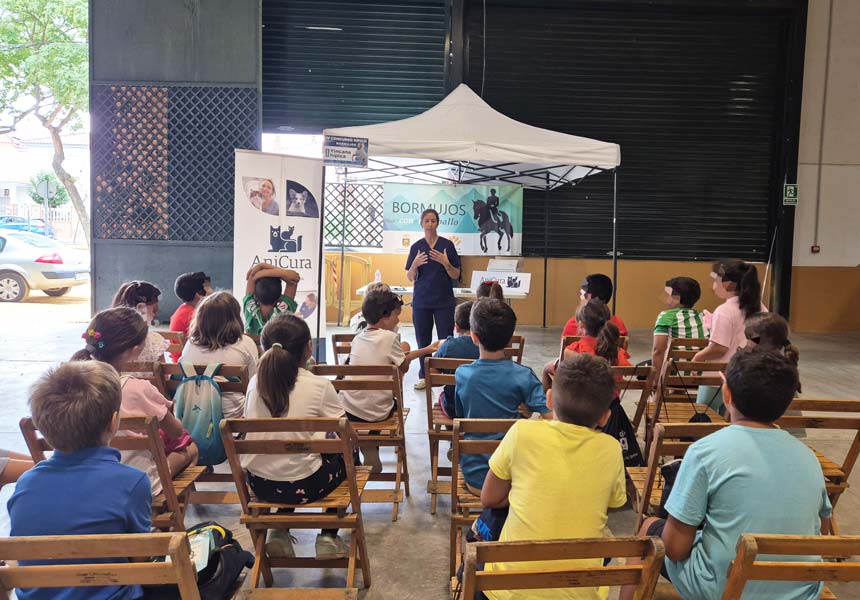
{"x": 463, "y": 140}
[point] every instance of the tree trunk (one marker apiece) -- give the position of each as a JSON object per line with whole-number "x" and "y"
{"x": 68, "y": 182}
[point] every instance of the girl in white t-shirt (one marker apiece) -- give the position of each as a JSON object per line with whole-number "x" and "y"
{"x": 284, "y": 388}
{"x": 117, "y": 336}
{"x": 216, "y": 335}
{"x": 736, "y": 282}
{"x": 143, "y": 297}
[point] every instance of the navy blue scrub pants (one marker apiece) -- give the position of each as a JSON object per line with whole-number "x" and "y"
{"x": 423, "y": 318}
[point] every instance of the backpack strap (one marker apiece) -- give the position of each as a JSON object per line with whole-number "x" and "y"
{"x": 187, "y": 369}
{"x": 212, "y": 370}
{"x": 123, "y": 379}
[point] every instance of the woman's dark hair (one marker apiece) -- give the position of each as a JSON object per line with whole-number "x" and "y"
{"x": 490, "y": 289}
{"x": 770, "y": 332}
{"x": 110, "y": 333}
{"x": 217, "y": 322}
{"x": 687, "y": 289}
{"x": 744, "y": 276}
{"x": 427, "y": 211}
{"x": 594, "y": 315}
{"x": 285, "y": 341}
{"x": 132, "y": 293}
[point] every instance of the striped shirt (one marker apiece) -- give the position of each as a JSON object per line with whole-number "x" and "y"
{"x": 680, "y": 323}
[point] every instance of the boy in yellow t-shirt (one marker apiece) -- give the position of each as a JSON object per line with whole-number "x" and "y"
{"x": 560, "y": 477}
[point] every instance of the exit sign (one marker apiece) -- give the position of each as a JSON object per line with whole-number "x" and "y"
{"x": 789, "y": 194}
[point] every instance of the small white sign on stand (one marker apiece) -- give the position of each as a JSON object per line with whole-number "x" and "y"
{"x": 518, "y": 282}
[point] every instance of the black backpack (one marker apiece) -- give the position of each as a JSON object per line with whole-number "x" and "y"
{"x": 620, "y": 427}
{"x": 218, "y": 579}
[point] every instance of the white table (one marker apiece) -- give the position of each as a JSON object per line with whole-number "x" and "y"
{"x": 458, "y": 292}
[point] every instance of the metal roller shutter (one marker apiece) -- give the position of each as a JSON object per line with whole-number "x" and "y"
{"x": 694, "y": 97}
{"x": 331, "y": 64}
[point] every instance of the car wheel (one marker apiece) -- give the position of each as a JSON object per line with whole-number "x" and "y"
{"x": 57, "y": 291}
{"x": 13, "y": 288}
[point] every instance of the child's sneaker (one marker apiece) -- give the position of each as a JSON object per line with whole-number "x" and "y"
{"x": 279, "y": 544}
{"x": 331, "y": 547}
{"x": 420, "y": 384}
{"x": 371, "y": 459}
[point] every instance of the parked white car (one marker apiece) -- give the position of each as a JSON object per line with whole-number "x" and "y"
{"x": 29, "y": 261}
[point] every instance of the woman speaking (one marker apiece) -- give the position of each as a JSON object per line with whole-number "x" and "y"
{"x": 433, "y": 262}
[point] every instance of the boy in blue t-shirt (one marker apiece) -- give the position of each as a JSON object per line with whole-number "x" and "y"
{"x": 493, "y": 387}
{"x": 459, "y": 346}
{"x": 76, "y": 407}
{"x": 751, "y": 477}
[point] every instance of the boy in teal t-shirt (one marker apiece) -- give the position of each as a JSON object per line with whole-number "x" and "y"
{"x": 751, "y": 477}
{"x": 264, "y": 297}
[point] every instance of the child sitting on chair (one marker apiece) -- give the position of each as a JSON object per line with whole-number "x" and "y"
{"x": 493, "y": 387}
{"x": 282, "y": 387}
{"x": 749, "y": 477}
{"x": 378, "y": 344}
{"x": 191, "y": 288}
{"x": 264, "y": 296}
{"x": 82, "y": 488}
{"x": 599, "y": 286}
{"x": 559, "y": 477}
{"x": 679, "y": 320}
{"x": 459, "y": 346}
{"x": 116, "y": 336}
{"x": 143, "y": 297}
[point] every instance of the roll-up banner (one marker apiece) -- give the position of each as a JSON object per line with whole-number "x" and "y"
{"x": 278, "y": 206}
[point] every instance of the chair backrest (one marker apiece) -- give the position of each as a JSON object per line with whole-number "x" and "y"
{"x": 177, "y": 569}
{"x": 828, "y": 414}
{"x": 145, "y": 436}
{"x": 685, "y": 348}
{"x": 341, "y": 345}
{"x": 340, "y": 439}
{"x": 515, "y": 348}
{"x": 439, "y": 372}
{"x": 148, "y": 371}
{"x": 644, "y": 575}
{"x": 461, "y": 446}
{"x": 230, "y": 378}
{"x": 365, "y": 377}
{"x": 748, "y": 567}
{"x": 637, "y": 378}
{"x": 176, "y": 339}
{"x": 567, "y": 340}
{"x": 670, "y": 440}
{"x": 682, "y": 378}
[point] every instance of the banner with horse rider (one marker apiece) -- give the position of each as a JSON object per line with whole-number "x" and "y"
{"x": 481, "y": 220}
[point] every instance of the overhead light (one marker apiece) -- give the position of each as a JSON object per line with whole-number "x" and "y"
{"x": 313, "y": 28}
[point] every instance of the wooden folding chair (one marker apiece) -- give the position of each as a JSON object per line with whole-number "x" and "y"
{"x": 676, "y": 396}
{"x": 259, "y": 516}
{"x": 176, "y": 338}
{"x": 168, "y": 507}
{"x": 388, "y": 433}
{"x": 637, "y": 378}
{"x": 644, "y": 575}
{"x": 685, "y": 348}
{"x": 834, "y": 415}
{"x": 230, "y": 378}
{"x": 567, "y": 340}
{"x": 748, "y": 567}
{"x": 341, "y": 344}
{"x": 515, "y": 348}
{"x": 439, "y": 372}
{"x": 148, "y": 371}
{"x": 465, "y": 506}
{"x": 671, "y": 440}
{"x": 176, "y": 569}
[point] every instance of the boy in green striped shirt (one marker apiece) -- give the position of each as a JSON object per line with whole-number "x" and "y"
{"x": 680, "y": 319}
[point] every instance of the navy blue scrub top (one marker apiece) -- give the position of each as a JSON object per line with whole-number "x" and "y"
{"x": 433, "y": 287}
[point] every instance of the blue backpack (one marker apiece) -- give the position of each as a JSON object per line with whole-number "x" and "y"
{"x": 198, "y": 406}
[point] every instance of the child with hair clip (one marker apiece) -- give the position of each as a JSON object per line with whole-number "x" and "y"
{"x": 216, "y": 336}
{"x": 143, "y": 297}
{"x": 283, "y": 388}
{"x": 490, "y": 289}
{"x": 736, "y": 282}
{"x": 116, "y": 336}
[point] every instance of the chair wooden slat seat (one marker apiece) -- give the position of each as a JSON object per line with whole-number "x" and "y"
{"x": 440, "y": 419}
{"x": 638, "y": 477}
{"x": 466, "y": 500}
{"x": 830, "y": 469}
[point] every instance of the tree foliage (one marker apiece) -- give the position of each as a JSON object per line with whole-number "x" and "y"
{"x": 44, "y": 62}
{"x": 60, "y": 197}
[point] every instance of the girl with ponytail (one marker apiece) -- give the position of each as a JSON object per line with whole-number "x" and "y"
{"x": 602, "y": 337}
{"x": 143, "y": 297}
{"x": 736, "y": 282}
{"x": 117, "y": 336}
{"x": 770, "y": 331}
{"x": 283, "y": 388}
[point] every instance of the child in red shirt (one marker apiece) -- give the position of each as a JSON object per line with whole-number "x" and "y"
{"x": 596, "y": 285}
{"x": 191, "y": 288}
{"x": 601, "y": 336}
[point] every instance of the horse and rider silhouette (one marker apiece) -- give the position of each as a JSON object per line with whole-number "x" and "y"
{"x": 491, "y": 219}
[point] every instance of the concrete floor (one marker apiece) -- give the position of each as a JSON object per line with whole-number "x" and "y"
{"x": 408, "y": 558}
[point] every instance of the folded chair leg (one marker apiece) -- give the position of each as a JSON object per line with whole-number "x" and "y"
{"x": 405, "y": 467}
{"x": 452, "y": 558}
{"x": 363, "y": 559}
{"x": 259, "y": 538}
{"x": 434, "y": 473}
{"x": 350, "y": 569}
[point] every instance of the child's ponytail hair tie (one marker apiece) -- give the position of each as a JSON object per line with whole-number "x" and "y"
{"x": 277, "y": 345}
{"x": 93, "y": 338}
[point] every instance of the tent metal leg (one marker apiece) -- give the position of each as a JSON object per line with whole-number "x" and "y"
{"x": 614, "y": 238}
{"x": 545, "y": 243}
